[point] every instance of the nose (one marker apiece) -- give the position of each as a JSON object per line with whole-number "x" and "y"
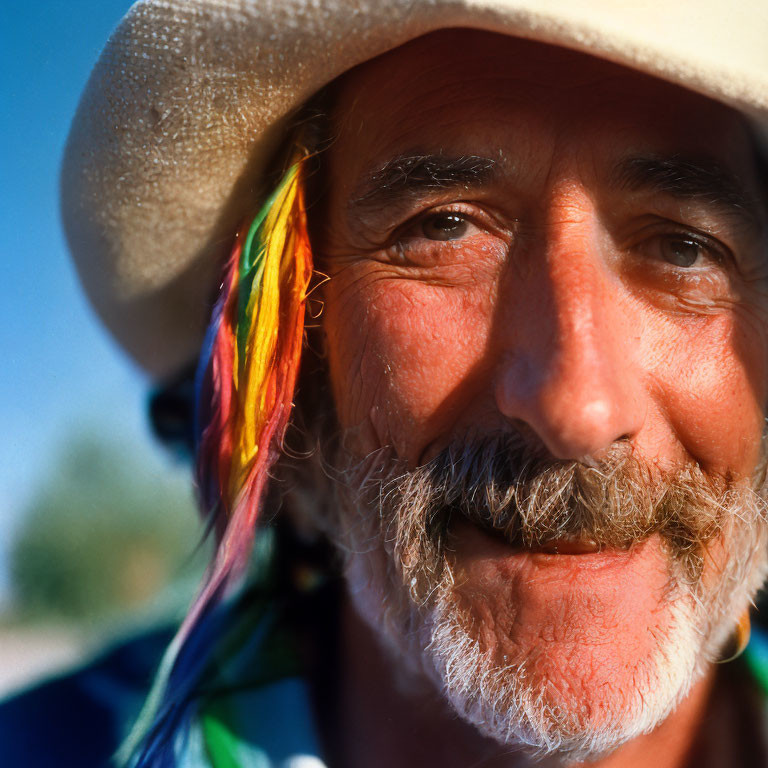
{"x": 569, "y": 362}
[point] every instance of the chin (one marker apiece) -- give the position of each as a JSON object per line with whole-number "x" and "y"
{"x": 577, "y": 695}
{"x": 578, "y": 700}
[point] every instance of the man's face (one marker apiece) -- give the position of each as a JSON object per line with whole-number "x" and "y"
{"x": 526, "y": 241}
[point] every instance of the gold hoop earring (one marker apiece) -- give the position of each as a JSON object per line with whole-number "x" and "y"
{"x": 739, "y": 640}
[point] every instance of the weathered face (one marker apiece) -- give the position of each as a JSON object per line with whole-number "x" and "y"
{"x": 523, "y": 240}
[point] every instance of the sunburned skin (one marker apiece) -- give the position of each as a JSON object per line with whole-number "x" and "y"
{"x": 566, "y": 288}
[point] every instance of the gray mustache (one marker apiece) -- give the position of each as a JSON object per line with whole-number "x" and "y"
{"x": 511, "y": 490}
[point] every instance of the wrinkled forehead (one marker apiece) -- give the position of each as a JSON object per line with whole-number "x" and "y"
{"x": 465, "y": 91}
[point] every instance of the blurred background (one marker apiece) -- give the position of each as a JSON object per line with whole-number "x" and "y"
{"x": 98, "y": 532}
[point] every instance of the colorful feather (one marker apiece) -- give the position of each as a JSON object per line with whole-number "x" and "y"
{"x": 244, "y": 389}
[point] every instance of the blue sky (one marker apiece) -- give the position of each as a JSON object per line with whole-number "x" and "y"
{"x": 60, "y": 370}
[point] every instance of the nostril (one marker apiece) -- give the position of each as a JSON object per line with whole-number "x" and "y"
{"x": 618, "y": 451}
{"x": 535, "y": 446}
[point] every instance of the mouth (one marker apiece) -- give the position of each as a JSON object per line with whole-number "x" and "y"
{"x": 570, "y": 546}
{"x": 577, "y": 542}
{"x": 562, "y": 557}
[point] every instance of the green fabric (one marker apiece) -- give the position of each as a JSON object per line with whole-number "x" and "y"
{"x": 222, "y": 746}
{"x": 756, "y": 658}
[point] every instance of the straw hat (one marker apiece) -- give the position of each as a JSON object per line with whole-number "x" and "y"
{"x": 190, "y": 97}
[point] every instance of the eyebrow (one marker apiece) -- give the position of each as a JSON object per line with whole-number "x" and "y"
{"x": 690, "y": 179}
{"x": 409, "y": 175}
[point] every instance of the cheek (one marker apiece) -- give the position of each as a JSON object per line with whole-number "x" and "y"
{"x": 402, "y": 355}
{"x": 711, "y": 382}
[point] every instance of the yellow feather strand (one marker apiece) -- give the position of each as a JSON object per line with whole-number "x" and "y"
{"x": 255, "y": 395}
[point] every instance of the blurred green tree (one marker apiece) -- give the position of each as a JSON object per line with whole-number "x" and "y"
{"x": 106, "y": 532}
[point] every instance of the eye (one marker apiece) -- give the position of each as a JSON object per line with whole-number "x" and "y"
{"x": 684, "y": 250}
{"x": 443, "y": 237}
{"x": 681, "y": 251}
{"x": 444, "y": 226}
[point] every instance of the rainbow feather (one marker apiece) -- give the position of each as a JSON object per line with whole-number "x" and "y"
{"x": 244, "y": 389}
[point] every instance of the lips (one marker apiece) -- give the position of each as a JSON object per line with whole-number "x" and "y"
{"x": 573, "y": 544}
{"x": 570, "y": 546}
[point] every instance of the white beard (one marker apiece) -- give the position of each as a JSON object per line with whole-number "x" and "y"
{"x": 503, "y": 702}
{"x": 503, "y": 705}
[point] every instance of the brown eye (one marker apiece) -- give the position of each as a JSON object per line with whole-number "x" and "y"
{"x": 681, "y": 251}
{"x": 444, "y": 226}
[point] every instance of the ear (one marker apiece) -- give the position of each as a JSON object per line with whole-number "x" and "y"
{"x": 171, "y": 409}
